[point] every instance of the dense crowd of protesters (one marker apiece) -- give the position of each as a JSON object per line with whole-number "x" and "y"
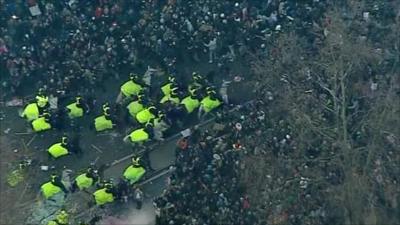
{"x": 205, "y": 187}
{"x": 85, "y": 42}
{"x": 75, "y": 46}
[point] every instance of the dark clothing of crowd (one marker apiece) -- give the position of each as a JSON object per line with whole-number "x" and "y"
{"x": 74, "y": 46}
{"x": 205, "y": 188}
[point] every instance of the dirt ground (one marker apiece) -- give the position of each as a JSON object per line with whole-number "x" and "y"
{"x": 13, "y": 200}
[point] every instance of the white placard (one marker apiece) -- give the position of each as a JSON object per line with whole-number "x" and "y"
{"x": 35, "y": 10}
{"x": 186, "y": 133}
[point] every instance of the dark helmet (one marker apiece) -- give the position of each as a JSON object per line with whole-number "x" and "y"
{"x": 135, "y": 160}
{"x": 106, "y": 111}
{"x": 149, "y": 124}
{"x": 45, "y": 114}
{"x": 108, "y": 184}
{"x": 152, "y": 109}
{"x": 90, "y": 169}
{"x": 160, "y": 114}
{"x": 210, "y": 91}
{"x": 53, "y": 177}
{"x": 41, "y": 91}
{"x": 196, "y": 77}
{"x": 171, "y": 79}
{"x": 173, "y": 91}
{"x": 78, "y": 100}
{"x": 106, "y": 105}
{"x": 133, "y": 76}
{"x": 64, "y": 140}
{"x": 193, "y": 91}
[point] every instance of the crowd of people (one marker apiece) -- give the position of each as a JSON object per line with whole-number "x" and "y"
{"x": 68, "y": 50}
{"x": 205, "y": 187}
{"x": 208, "y": 169}
{"x": 76, "y": 45}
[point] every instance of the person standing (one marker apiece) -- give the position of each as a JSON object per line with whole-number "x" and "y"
{"x": 59, "y": 149}
{"x": 141, "y": 135}
{"x": 149, "y": 78}
{"x": 159, "y": 126}
{"x": 198, "y": 82}
{"x": 76, "y": 109}
{"x": 168, "y": 87}
{"x": 42, "y": 99}
{"x": 191, "y": 102}
{"x": 135, "y": 171}
{"x": 135, "y": 106}
{"x": 138, "y": 197}
{"x": 53, "y": 187}
{"x": 146, "y": 115}
{"x": 104, "y": 121}
{"x": 172, "y": 97}
{"x": 212, "y": 50}
{"x": 31, "y": 112}
{"x": 130, "y": 88}
{"x": 209, "y": 103}
{"x": 105, "y": 195}
{"x": 85, "y": 180}
{"x": 42, "y": 123}
{"x": 223, "y": 91}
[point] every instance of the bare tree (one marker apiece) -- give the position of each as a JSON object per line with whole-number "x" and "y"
{"x": 328, "y": 93}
